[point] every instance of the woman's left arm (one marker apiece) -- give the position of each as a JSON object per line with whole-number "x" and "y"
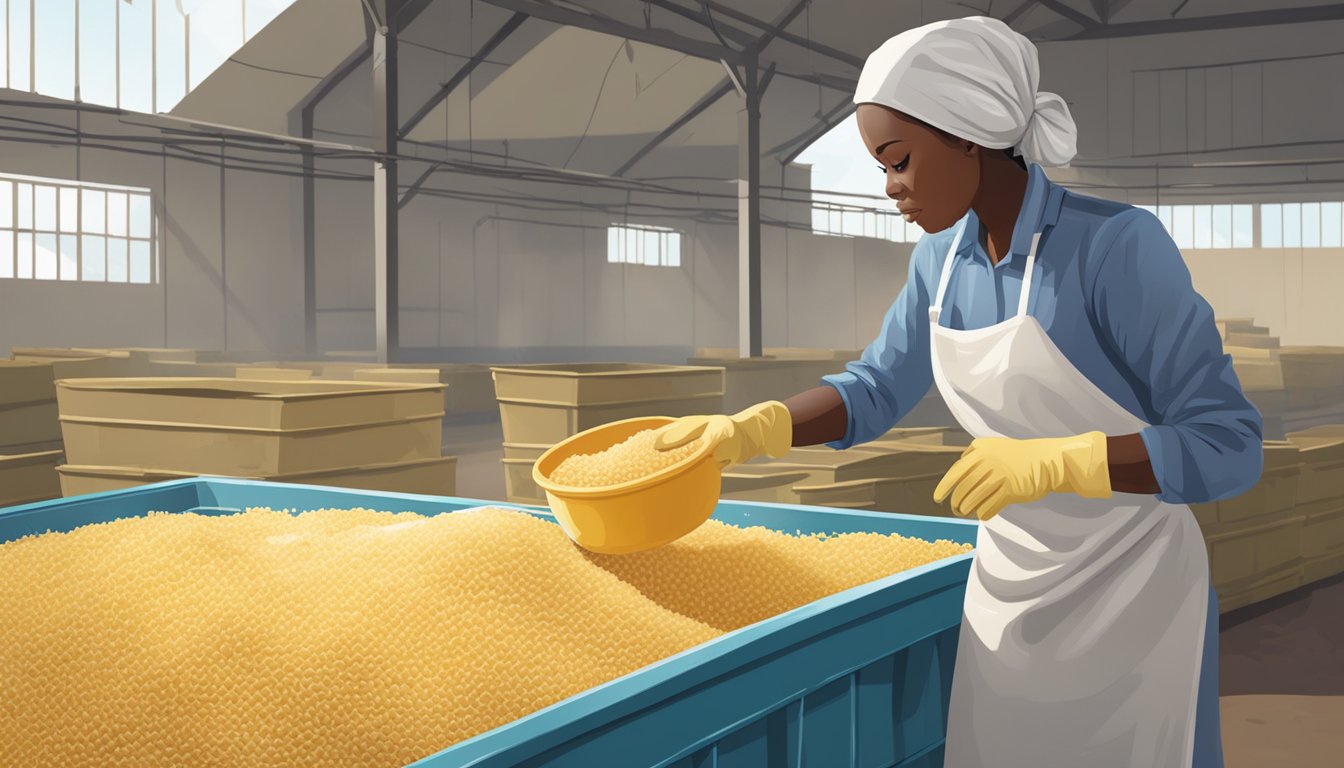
{"x": 1207, "y": 442}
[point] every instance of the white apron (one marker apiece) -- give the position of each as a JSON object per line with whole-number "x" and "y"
{"x": 1084, "y": 619}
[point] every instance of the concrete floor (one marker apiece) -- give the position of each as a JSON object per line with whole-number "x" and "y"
{"x": 1282, "y": 661}
{"x": 1282, "y": 680}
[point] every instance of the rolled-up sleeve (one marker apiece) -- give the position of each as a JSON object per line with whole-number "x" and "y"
{"x": 1206, "y": 443}
{"x": 893, "y": 373}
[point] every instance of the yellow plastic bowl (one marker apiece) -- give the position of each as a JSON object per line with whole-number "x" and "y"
{"x": 638, "y": 514}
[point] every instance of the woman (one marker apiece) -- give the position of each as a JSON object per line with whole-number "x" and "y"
{"x": 1065, "y": 335}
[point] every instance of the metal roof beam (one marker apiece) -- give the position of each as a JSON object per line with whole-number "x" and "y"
{"x": 1263, "y": 18}
{"x": 708, "y": 100}
{"x": 659, "y": 37}
{"x": 502, "y": 34}
{"x": 1077, "y": 17}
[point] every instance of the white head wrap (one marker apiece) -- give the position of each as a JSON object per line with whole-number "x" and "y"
{"x": 974, "y": 78}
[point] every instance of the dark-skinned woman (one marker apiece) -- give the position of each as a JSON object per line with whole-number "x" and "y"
{"x": 1065, "y": 336}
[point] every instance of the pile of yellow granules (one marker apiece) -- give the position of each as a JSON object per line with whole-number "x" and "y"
{"x": 353, "y": 637}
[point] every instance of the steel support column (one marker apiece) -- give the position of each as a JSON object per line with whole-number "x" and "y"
{"x": 749, "y": 211}
{"x": 385, "y": 125}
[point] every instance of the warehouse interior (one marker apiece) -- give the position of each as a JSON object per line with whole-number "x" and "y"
{"x": 554, "y": 214}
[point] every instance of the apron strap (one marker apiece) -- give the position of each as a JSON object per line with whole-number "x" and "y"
{"x": 1026, "y": 275}
{"x": 937, "y": 309}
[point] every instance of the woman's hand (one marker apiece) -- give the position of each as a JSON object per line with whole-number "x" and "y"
{"x": 766, "y": 428}
{"x": 997, "y": 471}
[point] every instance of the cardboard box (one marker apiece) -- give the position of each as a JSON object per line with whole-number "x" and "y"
{"x": 247, "y": 428}
{"x": 28, "y": 477}
{"x": 434, "y": 477}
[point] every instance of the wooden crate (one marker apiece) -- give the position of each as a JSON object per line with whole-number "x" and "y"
{"x": 545, "y": 404}
{"x": 247, "y": 428}
{"x": 29, "y": 477}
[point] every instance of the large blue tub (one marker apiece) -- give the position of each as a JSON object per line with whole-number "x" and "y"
{"x": 856, "y": 680}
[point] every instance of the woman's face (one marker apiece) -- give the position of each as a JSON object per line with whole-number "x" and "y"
{"x": 933, "y": 178}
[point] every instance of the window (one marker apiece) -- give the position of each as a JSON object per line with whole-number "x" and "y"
{"x": 1206, "y": 226}
{"x": 123, "y": 53}
{"x": 853, "y": 221}
{"x": 52, "y": 229}
{"x": 642, "y": 244}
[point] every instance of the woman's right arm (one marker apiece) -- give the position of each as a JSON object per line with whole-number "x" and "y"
{"x": 893, "y": 375}
{"x": 819, "y": 416}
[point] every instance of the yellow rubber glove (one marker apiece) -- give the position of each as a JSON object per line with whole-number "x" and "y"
{"x": 997, "y": 471}
{"x": 765, "y": 428}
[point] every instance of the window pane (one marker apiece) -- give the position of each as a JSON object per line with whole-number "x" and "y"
{"x": 1222, "y": 226}
{"x": 95, "y": 258}
{"x": 140, "y": 216}
{"x": 1243, "y": 235}
{"x": 95, "y": 211}
{"x": 1183, "y": 223}
{"x": 1203, "y": 226}
{"x": 69, "y": 257}
{"x": 1311, "y": 225}
{"x": 216, "y": 32}
{"x": 55, "y": 48}
{"x": 6, "y": 204}
{"x": 1292, "y": 225}
{"x": 4, "y": 47}
{"x": 44, "y": 205}
{"x": 1330, "y": 225}
{"x": 116, "y": 213}
{"x": 6, "y": 254}
{"x": 116, "y": 260}
{"x": 171, "y": 78}
{"x": 25, "y": 255}
{"x": 98, "y": 52}
{"x": 675, "y": 243}
{"x": 69, "y": 209}
{"x": 139, "y": 261}
{"x": 137, "y": 69}
{"x": 19, "y": 71}
{"x": 1164, "y": 216}
{"x": 1271, "y": 226}
{"x": 25, "y": 192}
{"x": 45, "y": 257}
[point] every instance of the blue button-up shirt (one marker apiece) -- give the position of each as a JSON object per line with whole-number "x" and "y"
{"x": 1115, "y": 296}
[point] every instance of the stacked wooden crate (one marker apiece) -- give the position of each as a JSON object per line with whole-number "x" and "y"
{"x": 123, "y": 432}
{"x": 752, "y": 380}
{"x": 1320, "y": 501}
{"x": 1314, "y": 379}
{"x": 1255, "y": 358}
{"x": 541, "y": 405}
{"x": 895, "y": 473}
{"x": 1255, "y": 539}
{"x": 469, "y": 389}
